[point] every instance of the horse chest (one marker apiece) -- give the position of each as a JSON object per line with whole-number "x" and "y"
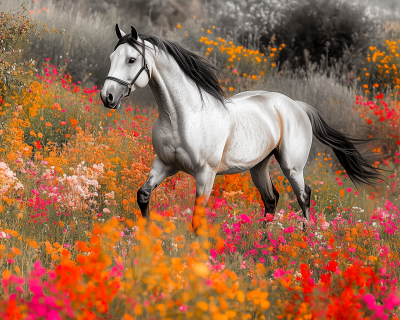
{"x": 170, "y": 147}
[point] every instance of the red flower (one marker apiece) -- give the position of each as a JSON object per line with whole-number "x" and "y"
{"x": 331, "y": 266}
{"x": 269, "y": 217}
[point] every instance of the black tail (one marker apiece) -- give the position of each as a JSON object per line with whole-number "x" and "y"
{"x": 357, "y": 167}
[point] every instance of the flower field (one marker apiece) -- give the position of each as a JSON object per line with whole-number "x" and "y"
{"x": 74, "y": 246}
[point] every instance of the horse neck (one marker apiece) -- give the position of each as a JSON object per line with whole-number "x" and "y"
{"x": 175, "y": 94}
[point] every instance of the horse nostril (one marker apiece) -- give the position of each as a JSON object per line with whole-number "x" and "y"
{"x": 110, "y": 98}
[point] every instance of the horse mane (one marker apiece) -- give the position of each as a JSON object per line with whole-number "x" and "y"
{"x": 204, "y": 74}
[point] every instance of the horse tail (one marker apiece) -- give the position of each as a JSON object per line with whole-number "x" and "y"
{"x": 359, "y": 170}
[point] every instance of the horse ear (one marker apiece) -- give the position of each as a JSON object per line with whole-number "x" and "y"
{"x": 119, "y": 32}
{"x": 134, "y": 33}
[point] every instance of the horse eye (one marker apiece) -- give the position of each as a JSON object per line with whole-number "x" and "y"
{"x": 131, "y": 60}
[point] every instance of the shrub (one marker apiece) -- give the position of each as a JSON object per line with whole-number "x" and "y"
{"x": 310, "y": 29}
{"x": 323, "y": 28}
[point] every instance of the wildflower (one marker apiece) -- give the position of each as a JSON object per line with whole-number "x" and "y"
{"x": 278, "y": 273}
{"x": 325, "y": 225}
{"x": 288, "y": 230}
{"x": 4, "y": 235}
{"x": 245, "y": 218}
{"x": 183, "y": 308}
{"x": 269, "y": 217}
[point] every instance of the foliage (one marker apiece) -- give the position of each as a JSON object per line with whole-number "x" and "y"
{"x": 73, "y": 244}
{"x": 311, "y": 29}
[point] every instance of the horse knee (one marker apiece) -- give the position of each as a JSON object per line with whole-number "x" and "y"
{"x": 307, "y": 195}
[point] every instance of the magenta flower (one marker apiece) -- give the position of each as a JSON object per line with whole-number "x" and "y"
{"x": 288, "y": 230}
{"x": 279, "y": 273}
{"x": 245, "y": 218}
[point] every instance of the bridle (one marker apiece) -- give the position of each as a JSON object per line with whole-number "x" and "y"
{"x": 130, "y": 84}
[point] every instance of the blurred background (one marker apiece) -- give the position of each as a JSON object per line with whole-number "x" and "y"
{"x": 309, "y": 28}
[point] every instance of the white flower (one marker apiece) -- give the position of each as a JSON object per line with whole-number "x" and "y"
{"x": 4, "y": 235}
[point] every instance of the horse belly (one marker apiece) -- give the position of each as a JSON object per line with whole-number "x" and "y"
{"x": 252, "y": 139}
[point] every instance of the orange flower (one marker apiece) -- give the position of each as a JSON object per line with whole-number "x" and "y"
{"x": 73, "y": 122}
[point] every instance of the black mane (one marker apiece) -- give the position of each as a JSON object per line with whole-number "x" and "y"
{"x": 204, "y": 74}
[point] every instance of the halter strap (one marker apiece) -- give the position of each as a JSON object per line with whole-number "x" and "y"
{"x": 130, "y": 84}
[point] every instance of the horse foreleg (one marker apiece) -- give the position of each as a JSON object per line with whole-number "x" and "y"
{"x": 158, "y": 173}
{"x": 204, "y": 183}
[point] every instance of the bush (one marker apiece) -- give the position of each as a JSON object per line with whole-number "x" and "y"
{"x": 315, "y": 28}
{"x": 310, "y": 29}
{"x": 16, "y": 74}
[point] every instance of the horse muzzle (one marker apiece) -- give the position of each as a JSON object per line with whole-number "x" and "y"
{"x": 110, "y": 102}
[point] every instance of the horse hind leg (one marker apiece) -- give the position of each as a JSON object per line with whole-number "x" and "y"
{"x": 301, "y": 190}
{"x": 262, "y": 181}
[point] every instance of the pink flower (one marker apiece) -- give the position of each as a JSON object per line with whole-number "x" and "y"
{"x": 288, "y": 230}
{"x": 19, "y": 186}
{"x": 325, "y": 225}
{"x": 213, "y": 253}
{"x": 352, "y": 249}
{"x": 106, "y": 210}
{"x": 279, "y": 273}
{"x": 245, "y": 218}
{"x": 348, "y": 189}
{"x": 391, "y": 301}
{"x": 183, "y": 308}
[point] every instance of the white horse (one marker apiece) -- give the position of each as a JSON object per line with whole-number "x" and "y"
{"x": 201, "y": 132}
